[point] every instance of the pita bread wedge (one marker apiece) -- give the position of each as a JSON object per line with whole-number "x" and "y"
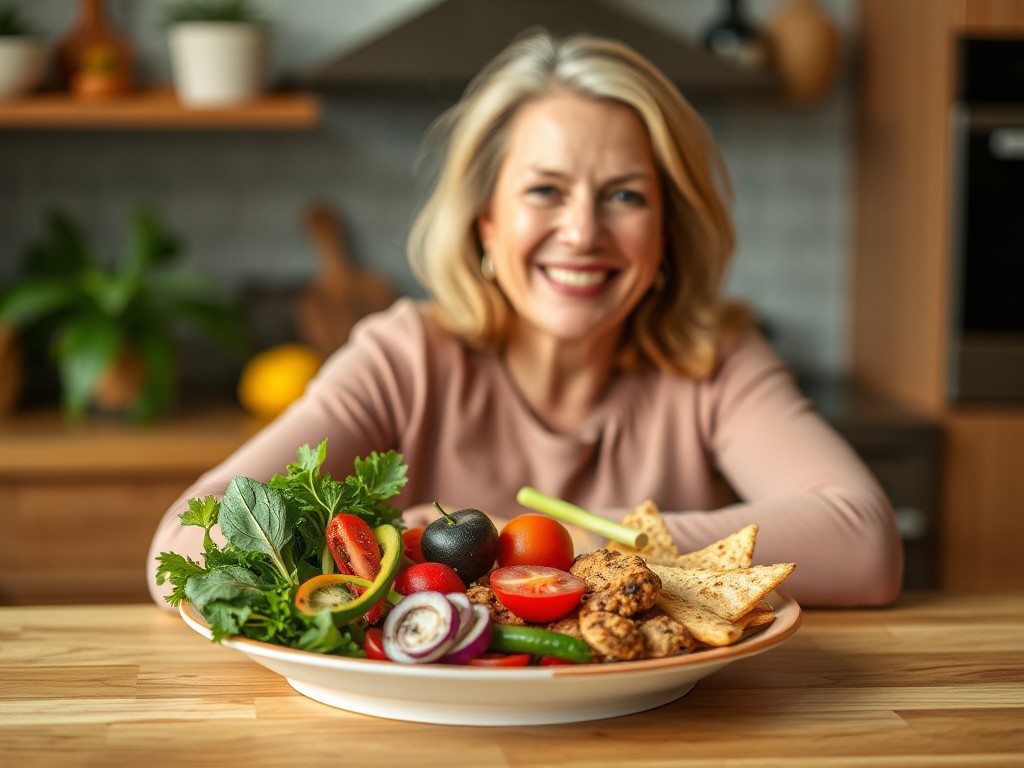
{"x": 728, "y": 593}
{"x": 706, "y": 627}
{"x": 660, "y": 547}
{"x": 734, "y": 551}
{"x": 759, "y": 618}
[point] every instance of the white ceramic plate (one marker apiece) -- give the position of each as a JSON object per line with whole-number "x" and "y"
{"x": 466, "y": 695}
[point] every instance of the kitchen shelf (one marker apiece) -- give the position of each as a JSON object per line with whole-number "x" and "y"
{"x": 159, "y": 108}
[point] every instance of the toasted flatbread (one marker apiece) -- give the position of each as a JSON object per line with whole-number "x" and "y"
{"x": 706, "y": 627}
{"x": 734, "y": 551}
{"x": 660, "y": 547}
{"x": 759, "y": 618}
{"x": 729, "y": 593}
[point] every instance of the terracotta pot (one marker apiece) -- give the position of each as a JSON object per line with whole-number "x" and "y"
{"x": 121, "y": 385}
{"x": 805, "y": 50}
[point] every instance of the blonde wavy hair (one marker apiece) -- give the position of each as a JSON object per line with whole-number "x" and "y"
{"x": 678, "y": 325}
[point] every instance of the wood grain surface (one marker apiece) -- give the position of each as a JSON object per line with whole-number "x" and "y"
{"x": 937, "y": 680}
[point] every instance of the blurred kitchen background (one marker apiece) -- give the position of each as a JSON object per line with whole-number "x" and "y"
{"x": 842, "y": 190}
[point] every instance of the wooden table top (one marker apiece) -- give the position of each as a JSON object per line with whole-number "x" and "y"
{"x": 937, "y": 680}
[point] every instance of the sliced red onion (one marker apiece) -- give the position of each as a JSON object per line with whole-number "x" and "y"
{"x": 474, "y": 640}
{"x": 465, "y": 610}
{"x": 421, "y": 628}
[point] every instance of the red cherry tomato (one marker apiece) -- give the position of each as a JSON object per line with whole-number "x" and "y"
{"x": 535, "y": 540}
{"x": 355, "y": 552}
{"x": 554, "y": 661}
{"x": 501, "y": 660}
{"x": 413, "y": 538}
{"x": 537, "y": 593}
{"x": 428, "y": 577}
{"x": 373, "y": 644}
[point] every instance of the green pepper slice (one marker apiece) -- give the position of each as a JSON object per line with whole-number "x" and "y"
{"x": 509, "y": 638}
{"x": 328, "y": 591}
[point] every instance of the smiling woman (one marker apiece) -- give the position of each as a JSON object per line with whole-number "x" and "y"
{"x": 577, "y": 341}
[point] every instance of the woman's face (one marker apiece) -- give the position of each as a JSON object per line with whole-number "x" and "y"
{"x": 575, "y": 225}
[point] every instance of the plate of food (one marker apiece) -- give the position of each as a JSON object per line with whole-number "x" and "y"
{"x": 502, "y": 696}
{"x": 644, "y": 624}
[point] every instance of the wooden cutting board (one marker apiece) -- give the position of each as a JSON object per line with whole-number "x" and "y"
{"x": 340, "y": 294}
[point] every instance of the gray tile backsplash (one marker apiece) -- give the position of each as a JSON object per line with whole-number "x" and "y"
{"x": 237, "y": 198}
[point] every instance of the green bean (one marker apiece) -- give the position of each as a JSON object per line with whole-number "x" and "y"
{"x": 509, "y": 638}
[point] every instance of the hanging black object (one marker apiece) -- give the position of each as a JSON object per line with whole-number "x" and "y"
{"x": 732, "y": 37}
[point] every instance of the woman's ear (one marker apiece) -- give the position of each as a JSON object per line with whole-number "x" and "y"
{"x": 485, "y": 226}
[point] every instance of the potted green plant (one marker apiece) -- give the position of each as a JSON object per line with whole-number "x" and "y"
{"x": 218, "y": 51}
{"x": 114, "y": 330}
{"x": 22, "y": 55}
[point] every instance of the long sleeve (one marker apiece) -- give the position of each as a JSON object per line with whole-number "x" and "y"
{"x": 815, "y": 502}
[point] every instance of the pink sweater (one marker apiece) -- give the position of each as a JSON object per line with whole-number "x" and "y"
{"x": 470, "y": 441}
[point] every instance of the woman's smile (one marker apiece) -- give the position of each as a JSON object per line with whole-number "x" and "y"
{"x": 578, "y": 281}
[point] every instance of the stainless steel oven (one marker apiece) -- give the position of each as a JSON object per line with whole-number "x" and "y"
{"x": 987, "y": 335}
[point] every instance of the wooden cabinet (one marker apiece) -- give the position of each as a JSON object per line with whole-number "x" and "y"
{"x": 79, "y": 503}
{"x": 903, "y": 277}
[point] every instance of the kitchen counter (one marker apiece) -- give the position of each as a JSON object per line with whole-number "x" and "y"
{"x": 937, "y": 679}
{"x": 79, "y": 502}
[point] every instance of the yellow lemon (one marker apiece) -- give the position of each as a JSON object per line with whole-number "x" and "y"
{"x": 274, "y": 378}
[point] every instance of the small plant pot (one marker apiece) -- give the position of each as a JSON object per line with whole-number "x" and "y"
{"x": 22, "y": 65}
{"x": 217, "y": 64}
{"x": 121, "y": 384}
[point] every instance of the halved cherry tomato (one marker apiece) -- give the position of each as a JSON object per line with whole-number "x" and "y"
{"x": 412, "y": 538}
{"x": 536, "y": 593}
{"x": 355, "y": 552}
{"x": 373, "y": 644}
{"x": 535, "y": 540}
{"x": 501, "y": 660}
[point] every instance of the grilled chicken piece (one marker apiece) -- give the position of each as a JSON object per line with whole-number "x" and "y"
{"x": 614, "y": 637}
{"x": 617, "y": 582}
{"x": 662, "y": 635}
{"x": 483, "y": 595}
{"x": 568, "y": 625}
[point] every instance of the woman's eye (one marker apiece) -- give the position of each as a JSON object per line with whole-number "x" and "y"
{"x": 629, "y": 196}
{"x": 542, "y": 190}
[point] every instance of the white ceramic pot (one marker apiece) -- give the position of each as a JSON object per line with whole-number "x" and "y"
{"x": 217, "y": 64}
{"x": 22, "y": 65}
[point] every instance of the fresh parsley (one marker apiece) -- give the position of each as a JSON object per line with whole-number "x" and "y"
{"x": 275, "y": 541}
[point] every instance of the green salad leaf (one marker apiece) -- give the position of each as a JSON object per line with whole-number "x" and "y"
{"x": 275, "y": 540}
{"x": 254, "y": 518}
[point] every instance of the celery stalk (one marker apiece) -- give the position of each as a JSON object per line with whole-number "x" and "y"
{"x": 570, "y": 513}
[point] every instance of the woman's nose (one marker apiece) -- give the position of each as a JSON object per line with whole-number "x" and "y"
{"x": 580, "y": 225}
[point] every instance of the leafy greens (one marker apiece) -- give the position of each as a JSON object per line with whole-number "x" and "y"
{"x": 275, "y": 535}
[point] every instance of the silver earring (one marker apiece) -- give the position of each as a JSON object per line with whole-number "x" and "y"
{"x": 487, "y": 266}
